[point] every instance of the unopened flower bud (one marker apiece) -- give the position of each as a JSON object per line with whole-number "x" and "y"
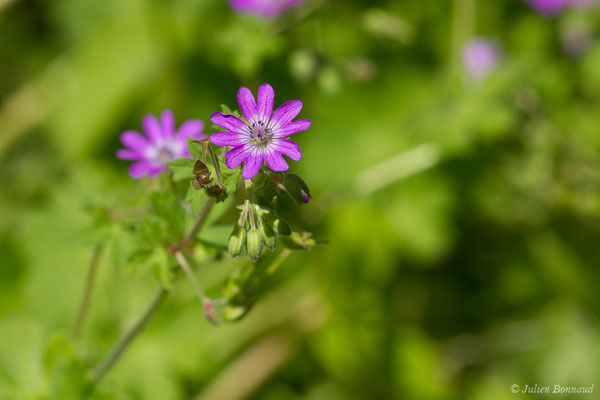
{"x": 237, "y": 240}
{"x": 281, "y": 227}
{"x": 235, "y": 312}
{"x": 297, "y": 189}
{"x": 254, "y": 244}
{"x": 269, "y": 238}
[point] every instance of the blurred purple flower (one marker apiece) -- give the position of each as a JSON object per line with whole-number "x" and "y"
{"x": 555, "y": 7}
{"x": 264, "y": 8}
{"x": 582, "y": 3}
{"x": 577, "y": 38}
{"x": 480, "y": 56}
{"x": 549, "y": 7}
{"x": 263, "y": 136}
{"x": 161, "y": 144}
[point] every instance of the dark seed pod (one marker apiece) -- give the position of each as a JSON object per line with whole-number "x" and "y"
{"x": 296, "y": 188}
{"x": 281, "y": 227}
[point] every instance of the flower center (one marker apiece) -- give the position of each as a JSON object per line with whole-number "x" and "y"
{"x": 259, "y": 132}
{"x": 165, "y": 153}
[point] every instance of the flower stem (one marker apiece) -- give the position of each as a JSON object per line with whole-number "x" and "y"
{"x": 126, "y": 339}
{"x": 87, "y": 291}
{"x": 188, "y": 271}
{"x": 216, "y": 165}
{"x": 157, "y": 299}
{"x": 198, "y": 224}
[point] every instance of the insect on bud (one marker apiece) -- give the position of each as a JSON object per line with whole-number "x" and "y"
{"x": 254, "y": 244}
{"x": 202, "y": 173}
{"x": 296, "y": 188}
{"x": 237, "y": 240}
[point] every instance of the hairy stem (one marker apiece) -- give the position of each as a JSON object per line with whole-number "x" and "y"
{"x": 198, "y": 224}
{"x": 154, "y": 304}
{"x": 126, "y": 339}
{"x": 188, "y": 271}
{"x": 216, "y": 165}
{"x": 87, "y": 291}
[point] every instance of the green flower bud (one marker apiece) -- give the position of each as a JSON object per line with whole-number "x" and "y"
{"x": 235, "y": 313}
{"x": 269, "y": 238}
{"x": 254, "y": 244}
{"x": 237, "y": 240}
{"x": 296, "y": 188}
{"x": 281, "y": 227}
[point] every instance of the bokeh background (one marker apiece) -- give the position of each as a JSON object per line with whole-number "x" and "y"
{"x": 462, "y": 213}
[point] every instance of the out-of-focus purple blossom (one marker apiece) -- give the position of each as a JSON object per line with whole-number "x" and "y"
{"x": 555, "y": 7}
{"x": 264, "y": 136}
{"x": 576, "y": 38}
{"x": 480, "y": 56}
{"x": 549, "y": 7}
{"x": 582, "y": 3}
{"x": 264, "y": 8}
{"x": 162, "y": 143}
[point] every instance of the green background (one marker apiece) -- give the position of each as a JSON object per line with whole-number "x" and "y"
{"x": 462, "y": 216}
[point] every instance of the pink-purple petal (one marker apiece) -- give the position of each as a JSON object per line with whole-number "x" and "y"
{"x": 167, "y": 120}
{"x": 264, "y": 107}
{"x": 228, "y": 139}
{"x": 229, "y": 122}
{"x": 285, "y": 113}
{"x": 289, "y": 148}
{"x": 291, "y": 128}
{"x": 152, "y": 128}
{"x": 156, "y": 169}
{"x": 237, "y": 155}
{"x": 191, "y": 127}
{"x": 252, "y": 164}
{"x": 275, "y": 160}
{"x": 135, "y": 141}
{"x": 247, "y": 104}
{"x": 129, "y": 155}
{"x": 139, "y": 169}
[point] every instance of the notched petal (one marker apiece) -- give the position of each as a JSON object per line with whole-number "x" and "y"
{"x": 229, "y": 122}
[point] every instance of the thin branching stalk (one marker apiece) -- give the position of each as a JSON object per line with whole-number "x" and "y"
{"x": 125, "y": 340}
{"x": 159, "y": 296}
{"x": 188, "y": 271}
{"x": 198, "y": 224}
{"x": 87, "y": 291}
{"x": 216, "y": 165}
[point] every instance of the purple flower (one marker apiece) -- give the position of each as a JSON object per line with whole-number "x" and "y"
{"x": 264, "y": 8}
{"x": 549, "y": 7}
{"x": 480, "y": 56}
{"x": 582, "y": 3}
{"x": 263, "y": 136}
{"x": 161, "y": 144}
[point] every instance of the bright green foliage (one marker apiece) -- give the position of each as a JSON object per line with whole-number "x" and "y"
{"x": 182, "y": 169}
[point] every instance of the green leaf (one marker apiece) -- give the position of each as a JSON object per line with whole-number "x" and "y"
{"x": 195, "y": 148}
{"x": 226, "y": 110}
{"x": 67, "y": 372}
{"x": 163, "y": 271}
{"x": 230, "y": 177}
{"x": 196, "y": 199}
{"x": 182, "y": 168}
